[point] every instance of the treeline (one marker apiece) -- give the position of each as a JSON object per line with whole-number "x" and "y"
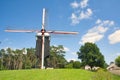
{"x": 89, "y": 54}
{"x": 17, "y": 59}
{"x": 26, "y": 59}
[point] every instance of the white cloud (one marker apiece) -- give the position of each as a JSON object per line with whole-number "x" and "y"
{"x": 81, "y": 12}
{"x": 74, "y": 18}
{"x": 84, "y": 3}
{"x": 114, "y": 37}
{"x": 98, "y": 29}
{"x": 73, "y": 53}
{"x": 74, "y": 59}
{"x": 91, "y": 37}
{"x": 105, "y": 23}
{"x": 98, "y": 21}
{"x": 66, "y": 49}
{"x": 96, "y": 33}
{"x": 75, "y": 4}
{"x": 86, "y": 14}
{"x": 118, "y": 54}
{"x": 81, "y": 15}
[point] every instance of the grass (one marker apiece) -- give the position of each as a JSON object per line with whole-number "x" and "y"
{"x": 55, "y": 74}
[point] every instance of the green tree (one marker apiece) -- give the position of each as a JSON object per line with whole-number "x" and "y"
{"x": 117, "y": 61}
{"x": 2, "y": 53}
{"x": 56, "y": 58}
{"x": 73, "y": 64}
{"x": 31, "y": 57}
{"x": 76, "y": 64}
{"x": 69, "y": 64}
{"x": 90, "y": 55}
{"x": 18, "y": 58}
{"x": 9, "y": 58}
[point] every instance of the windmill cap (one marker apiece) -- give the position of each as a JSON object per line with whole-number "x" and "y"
{"x": 40, "y": 34}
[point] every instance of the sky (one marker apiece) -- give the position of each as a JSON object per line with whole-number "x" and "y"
{"x": 97, "y": 21}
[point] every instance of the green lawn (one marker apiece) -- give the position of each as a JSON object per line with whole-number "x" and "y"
{"x": 55, "y": 74}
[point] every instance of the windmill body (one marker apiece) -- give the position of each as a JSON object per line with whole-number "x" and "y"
{"x": 39, "y": 48}
{"x": 42, "y": 41}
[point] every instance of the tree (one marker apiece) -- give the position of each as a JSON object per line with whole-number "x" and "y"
{"x": 73, "y": 64}
{"x": 19, "y": 58}
{"x": 90, "y": 55}
{"x": 31, "y": 57}
{"x": 26, "y": 58}
{"x": 69, "y": 64}
{"x": 56, "y": 58}
{"x": 9, "y": 58}
{"x": 117, "y": 61}
{"x": 2, "y": 53}
{"x": 76, "y": 64}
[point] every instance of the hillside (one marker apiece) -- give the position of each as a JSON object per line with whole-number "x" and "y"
{"x": 55, "y": 74}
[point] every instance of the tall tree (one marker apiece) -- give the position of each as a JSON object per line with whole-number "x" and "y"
{"x": 90, "y": 55}
{"x": 19, "y": 58}
{"x": 9, "y": 58}
{"x": 32, "y": 57}
{"x": 2, "y": 53}
{"x": 56, "y": 58}
{"x": 117, "y": 61}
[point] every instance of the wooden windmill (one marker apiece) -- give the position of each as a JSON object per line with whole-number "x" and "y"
{"x": 42, "y": 38}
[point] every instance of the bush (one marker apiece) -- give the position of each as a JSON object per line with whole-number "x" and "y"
{"x": 76, "y": 64}
{"x": 69, "y": 65}
{"x": 101, "y": 74}
{"x": 117, "y": 61}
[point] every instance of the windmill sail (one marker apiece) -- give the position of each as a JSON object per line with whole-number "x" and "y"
{"x": 62, "y": 32}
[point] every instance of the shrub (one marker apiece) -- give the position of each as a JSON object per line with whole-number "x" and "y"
{"x": 101, "y": 74}
{"x": 76, "y": 64}
{"x": 69, "y": 65}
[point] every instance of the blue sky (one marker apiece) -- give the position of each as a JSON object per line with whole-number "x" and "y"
{"x": 97, "y": 21}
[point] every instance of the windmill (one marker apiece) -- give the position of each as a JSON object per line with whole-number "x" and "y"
{"x": 41, "y": 34}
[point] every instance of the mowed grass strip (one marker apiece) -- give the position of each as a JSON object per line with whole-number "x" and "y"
{"x": 55, "y": 74}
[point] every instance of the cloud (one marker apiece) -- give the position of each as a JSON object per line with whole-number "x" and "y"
{"x": 114, "y": 37}
{"x": 97, "y": 32}
{"x": 75, "y": 19}
{"x": 75, "y": 4}
{"x": 69, "y": 59}
{"x": 82, "y": 4}
{"x": 66, "y": 49}
{"x": 74, "y": 53}
{"x": 82, "y": 11}
{"x": 86, "y": 14}
{"x": 118, "y": 54}
{"x": 82, "y": 15}
{"x": 91, "y": 37}
{"x": 105, "y": 22}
